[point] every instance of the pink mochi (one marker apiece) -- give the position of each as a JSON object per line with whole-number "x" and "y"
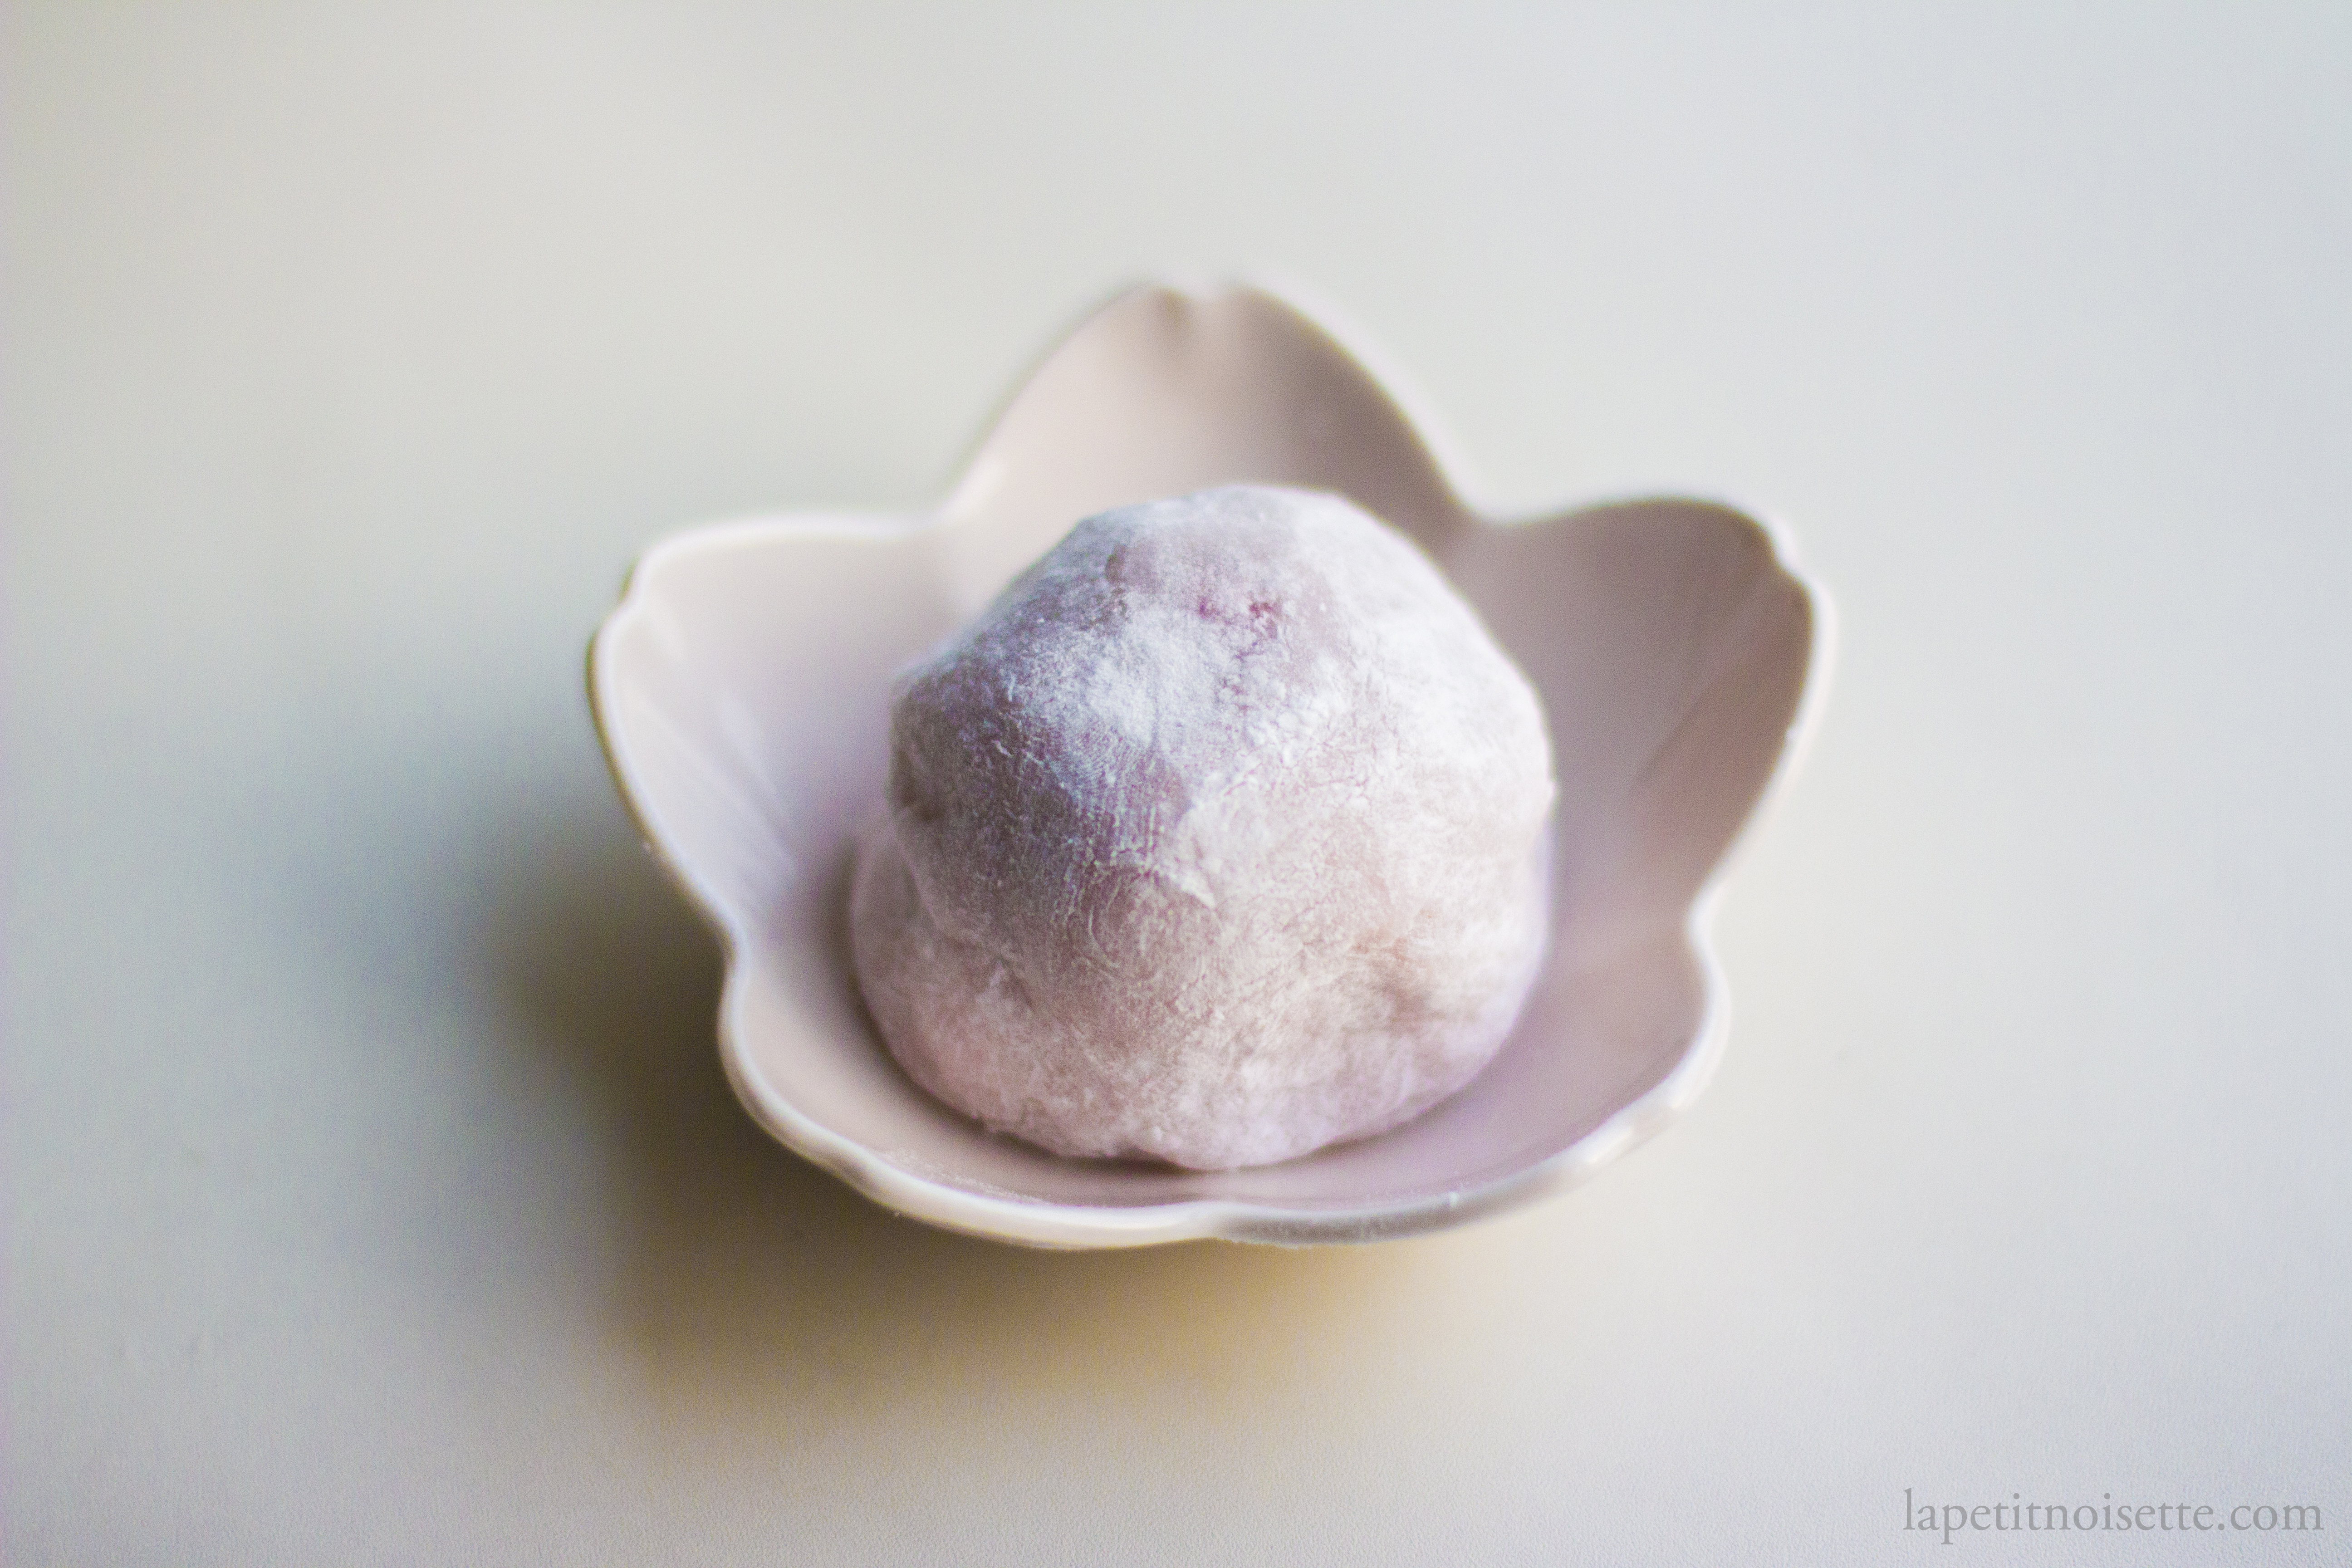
{"x": 1221, "y": 836}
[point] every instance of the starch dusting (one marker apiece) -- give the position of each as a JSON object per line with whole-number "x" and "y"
{"x": 1219, "y": 836}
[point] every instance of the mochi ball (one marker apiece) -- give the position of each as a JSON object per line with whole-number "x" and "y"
{"x": 1219, "y": 836}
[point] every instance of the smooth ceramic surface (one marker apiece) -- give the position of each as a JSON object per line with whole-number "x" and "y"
{"x": 741, "y": 687}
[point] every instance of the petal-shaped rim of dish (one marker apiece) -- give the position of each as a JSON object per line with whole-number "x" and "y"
{"x": 980, "y": 542}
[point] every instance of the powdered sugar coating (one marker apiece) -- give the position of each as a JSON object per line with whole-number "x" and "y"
{"x": 1221, "y": 836}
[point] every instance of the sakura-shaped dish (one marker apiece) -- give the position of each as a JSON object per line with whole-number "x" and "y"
{"x": 743, "y": 690}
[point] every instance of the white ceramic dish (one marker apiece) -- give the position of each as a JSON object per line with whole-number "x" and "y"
{"x": 743, "y": 685}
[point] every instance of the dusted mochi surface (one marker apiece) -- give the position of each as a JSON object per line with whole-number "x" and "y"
{"x": 1219, "y": 836}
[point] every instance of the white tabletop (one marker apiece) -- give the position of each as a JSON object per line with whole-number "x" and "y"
{"x": 373, "y": 1192}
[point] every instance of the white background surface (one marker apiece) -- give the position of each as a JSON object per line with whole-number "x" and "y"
{"x": 372, "y": 1191}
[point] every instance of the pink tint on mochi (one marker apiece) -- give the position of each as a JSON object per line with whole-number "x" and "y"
{"x": 1221, "y": 836}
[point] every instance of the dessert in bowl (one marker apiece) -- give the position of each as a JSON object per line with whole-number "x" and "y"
{"x": 1219, "y": 836}
{"x": 743, "y": 689}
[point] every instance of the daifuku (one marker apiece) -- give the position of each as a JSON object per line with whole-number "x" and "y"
{"x": 1221, "y": 836}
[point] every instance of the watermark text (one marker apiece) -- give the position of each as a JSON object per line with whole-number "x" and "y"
{"x": 1951, "y": 1520}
